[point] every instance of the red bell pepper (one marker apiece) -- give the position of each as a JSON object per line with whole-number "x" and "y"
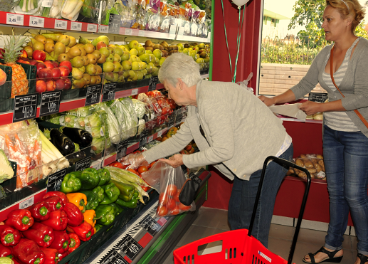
{"x": 61, "y": 256}
{"x": 61, "y": 195}
{"x": 74, "y": 242}
{"x": 61, "y": 241}
{"x": 5, "y": 251}
{"x": 55, "y": 203}
{"x": 84, "y": 231}
{"x": 57, "y": 220}
{"x": 20, "y": 219}
{"x": 16, "y": 261}
{"x": 9, "y": 236}
{"x": 40, "y": 211}
{"x": 51, "y": 255}
{"x": 43, "y": 235}
{"x": 75, "y": 216}
{"x": 28, "y": 252}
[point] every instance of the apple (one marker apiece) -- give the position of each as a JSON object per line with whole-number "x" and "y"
{"x": 100, "y": 45}
{"x": 33, "y": 62}
{"x": 40, "y": 86}
{"x": 49, "y": 64}
{"x": 55, "y": 63}
{"x": 56, "y": 73}
{"x": 64, "y": 71}
{"x": 60, "y": 84}
{"x": 68, "y": 84}
{"x": 40, "y": 65}
{"x": 50, "y": 86}
{"x": 39, "y": 55}
{"x": 67, "y": 64}
{"x": 44, "y": 73}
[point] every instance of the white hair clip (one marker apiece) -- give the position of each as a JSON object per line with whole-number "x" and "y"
{"x": 346, "y": 5}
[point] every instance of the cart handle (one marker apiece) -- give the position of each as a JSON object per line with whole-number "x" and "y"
{"x": 301, "y": 212}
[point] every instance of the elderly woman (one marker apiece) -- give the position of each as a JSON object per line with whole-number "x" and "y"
{"x": 345, "y": 138}
{"x": 234, "y": 131}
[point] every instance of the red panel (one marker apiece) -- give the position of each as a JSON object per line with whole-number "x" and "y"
{"x": 145, "y": 240}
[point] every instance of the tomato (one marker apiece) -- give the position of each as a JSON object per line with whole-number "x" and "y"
{"x": 134, "y": 171}
{"x": 175, "y": 211}
{"x": 163, "y": 198}
{"x": 176, "y": 196}
{"x": 171, "y": 189}
{"x": 171, "y": 204}
{"x": 145, "y": 188}
{"x": 184, "y": 207}
{"x": 161, "y": 211}
{"x": 117, "y": 165}
{"x": 151, "y": 164}
{"x": 137, "y": 151}
{"x": 142, "y": 169}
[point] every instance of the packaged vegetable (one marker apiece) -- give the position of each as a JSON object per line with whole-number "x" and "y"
{"x": 6, "y": 171}
{"x": 71, "y": 9}
{"x": 112, "y": 124}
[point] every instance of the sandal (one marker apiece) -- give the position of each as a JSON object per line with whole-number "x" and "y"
{"x": 330, "y": 255}
{"x": 363, "y": 259}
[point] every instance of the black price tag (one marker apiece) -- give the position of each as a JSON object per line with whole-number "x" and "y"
{"x": 83, "y": 164}
{"x": 129, "y": 246}
{"x": 150, "y": 225}
{"x": 25, "y": 107}
{"x": 113, "y": 257}
{"x": 114, "y": 24}
{"x": 121, "y": 149}
{"x": 143, "y": 139}
{"x": 171, "y": 120}
{"x": 152, "y": 83}
{"x": 108, "y": 93}
{"x": 50, "y": 103}
{"x": 54, "y": 180}
{"x": 93, "y": 94}
{"x": 318, "y": 97}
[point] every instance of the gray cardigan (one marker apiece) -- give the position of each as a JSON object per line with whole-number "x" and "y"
{"x": 240, "y": 129}
{"x": 354, "y": 84}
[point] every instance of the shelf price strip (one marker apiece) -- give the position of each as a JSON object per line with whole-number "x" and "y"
{"x": 14, "y": 19}
{"x": 60, "y": 24}
{"x": 36, "y": 22}
{"x": 76, "y": 26}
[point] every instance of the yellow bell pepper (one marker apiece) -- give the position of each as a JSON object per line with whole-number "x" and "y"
{"x": 79, "y": 199}
{"x": 90, "y": 217}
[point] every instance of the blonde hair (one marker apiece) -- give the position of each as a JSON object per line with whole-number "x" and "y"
{"x": 348, "y": 8}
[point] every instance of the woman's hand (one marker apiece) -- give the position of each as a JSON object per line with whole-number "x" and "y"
{"x": 174, "y": 161}
{"x": 310, "y": 108}
{"x": 267, "y": 101}
{"x": 133, "y": 160}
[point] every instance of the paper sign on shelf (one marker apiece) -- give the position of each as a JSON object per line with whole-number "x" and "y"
{"x": 141, "y": 33}
{"x": 103, "y": 29}
{"x": 128, "y": 31}
{"x": 60, "y": 24}
{"x": 14, "y": 19}
{"x": 91, "y": 28}
{"x": 36, "y": 22}
{"x": 76, "y": 26}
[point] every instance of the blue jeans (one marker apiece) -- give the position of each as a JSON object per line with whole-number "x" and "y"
{"x": 346, "y": 162}
{"x": 243, "y": 196}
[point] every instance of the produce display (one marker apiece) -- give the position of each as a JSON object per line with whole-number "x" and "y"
{"x": 313, "y": 163}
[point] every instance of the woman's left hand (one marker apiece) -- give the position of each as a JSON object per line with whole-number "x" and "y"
{"x": 310, "y": 108}
{"x": 174, "y": 161}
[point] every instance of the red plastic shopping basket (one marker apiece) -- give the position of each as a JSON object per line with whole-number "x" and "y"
{"x": 239, "y": 246}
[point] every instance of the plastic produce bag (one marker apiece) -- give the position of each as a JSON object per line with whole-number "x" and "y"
{"x": 139, "y": 108}
{"x": 168, "y": 181}
{"x": 7, "y": 6}
{"x": 28, "y": 7}
{"x": 132, "y": 120}
{"x": 112, "y": 123}
{"x": 71, "y": 9}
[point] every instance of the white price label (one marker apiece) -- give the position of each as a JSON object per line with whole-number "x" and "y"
{"x": 159, "y": 133}
{"x": 26, "y": 203}
{"x": 47, "y": 3}
{"x": 76, "y": 26}
{"x": 128, "y": 31}
{"x": 181, "y": 31}
{"x": 134, "y": 91}
{"x": 96, "y": 164}
{"x": 149, "y": 139}
{"x": 209, "y": 36}
{"x": 141, "y": 33}
{"x": 60, "y": 24}
{"x": 172, "y": 29}
{"x": 14, "y": 19}
{"x": 91, "y": 28}
{"x": 103, "y": 29}
{"x": 36, "y": 21}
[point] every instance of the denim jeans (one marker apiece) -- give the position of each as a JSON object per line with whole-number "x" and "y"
{"x": 346, "y": 162}
{"x": 243, "y": 196}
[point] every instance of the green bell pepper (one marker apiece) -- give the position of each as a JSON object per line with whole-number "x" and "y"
{"x": 98, "y": 227}
{"x": 117, "y": 209}
{"x": 111, "y": 193}
{"x": 131, "y": 204}
{"x": 94, "y": 197}
{"x": 104, "y": 176}
{"x": 126, "y": 190}
{"x": 89, "y": 179}
{"x": 105, "y": 214}
{"x": 71, "y": 182}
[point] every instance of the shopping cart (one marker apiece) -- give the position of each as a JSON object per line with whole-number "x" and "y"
{"x": 239, "y": 246}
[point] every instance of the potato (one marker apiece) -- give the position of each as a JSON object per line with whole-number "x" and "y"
{"x": 299, "y": 162}
{"x": 302, "y": 156}
{"x": 302, "y": 175}
{"x": 290, "y": 171}
{"x": 312, "y": 170}
{"x": 308, "y": 164}
{"x": 318, "y": 167}
{"x": 319, "y": 157}
{"x": 321, "y": 163}
{"x": 315, "y": 161}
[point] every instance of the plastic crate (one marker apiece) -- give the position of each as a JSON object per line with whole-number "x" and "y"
{"x": 6, "y": 105}
{"x": 5, "y": 89}
{"x": 31, "y": 72}
{"x": 238, "y": 246}
{"x": 69, "y": 94}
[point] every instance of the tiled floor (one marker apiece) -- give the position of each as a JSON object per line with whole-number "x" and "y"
{"x": 213, "y": 221}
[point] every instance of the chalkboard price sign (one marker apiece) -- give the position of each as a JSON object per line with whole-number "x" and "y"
{"x": 25, "y": 107}
{"x": 50, "y": 103}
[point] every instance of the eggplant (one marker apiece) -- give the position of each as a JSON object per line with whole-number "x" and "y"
{"x": 79, "y": 136}
{"x": 64, "y": 144}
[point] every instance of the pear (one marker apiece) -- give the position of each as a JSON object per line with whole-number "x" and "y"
{"x": 110, "y": 58}
{"x": 139, "y": 75}
{"x": 97, "y": 54}
{"x": 102, "y": 38}
{"x": 127, "y": 65}
{"x": 87, "y": 78}
{"x": 37, "y": 45}
{"x": 79, "y": 83}
{"x": 86, "y": 60}
{"x": 89, "y": 48}
{"x": 133, "y": 44}
{"x": 117, "y": 58}
{"x": 157, "y": 53}
{"x": 64, "y": 39}
{"x": 136, "y": 66}
{"x": 141, "y": 51}
{"x": 59, "y": 48}
{"x": 83, "y": 51}
{"x": 83, "y": 41}
{"x": 105, "y": 51}
{"x": 118, "y": 51}
{"x": 92, "y": 58}
{"x": 72, "y": 42}
{"x": 49, "y": 41}
{"x": 125, "y": 56}
{"x": 82, "y": 69}
{"x": 93, "y": 80}
{"x": 49, "y": 47}
{"x": 63, "y": 57}
{"x": 77, "y": 74}
{"x": 77, "y": 62}
{"x": 74, "y": 52}
{"x": 117, "y": 66}
{"x": 67, "y": 49}
{"x": 108, "y": 66}
{"x": 98, "y": 69}
{"x": 40, "y": 38}
{"x": 102, "y": 59}
{"x": 126, "y": 74}
{"x": 133, "y": 52}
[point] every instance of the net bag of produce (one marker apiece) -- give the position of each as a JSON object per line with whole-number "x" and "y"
{"x": 169, "y": 182}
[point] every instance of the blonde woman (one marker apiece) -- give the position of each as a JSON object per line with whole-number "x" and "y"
{"x": 345, "y": 138}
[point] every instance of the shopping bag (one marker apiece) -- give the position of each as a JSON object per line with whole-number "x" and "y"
{"x": 189, "y": 189}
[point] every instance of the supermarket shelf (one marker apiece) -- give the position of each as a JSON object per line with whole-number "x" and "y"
{"x": 302, "y": 121}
